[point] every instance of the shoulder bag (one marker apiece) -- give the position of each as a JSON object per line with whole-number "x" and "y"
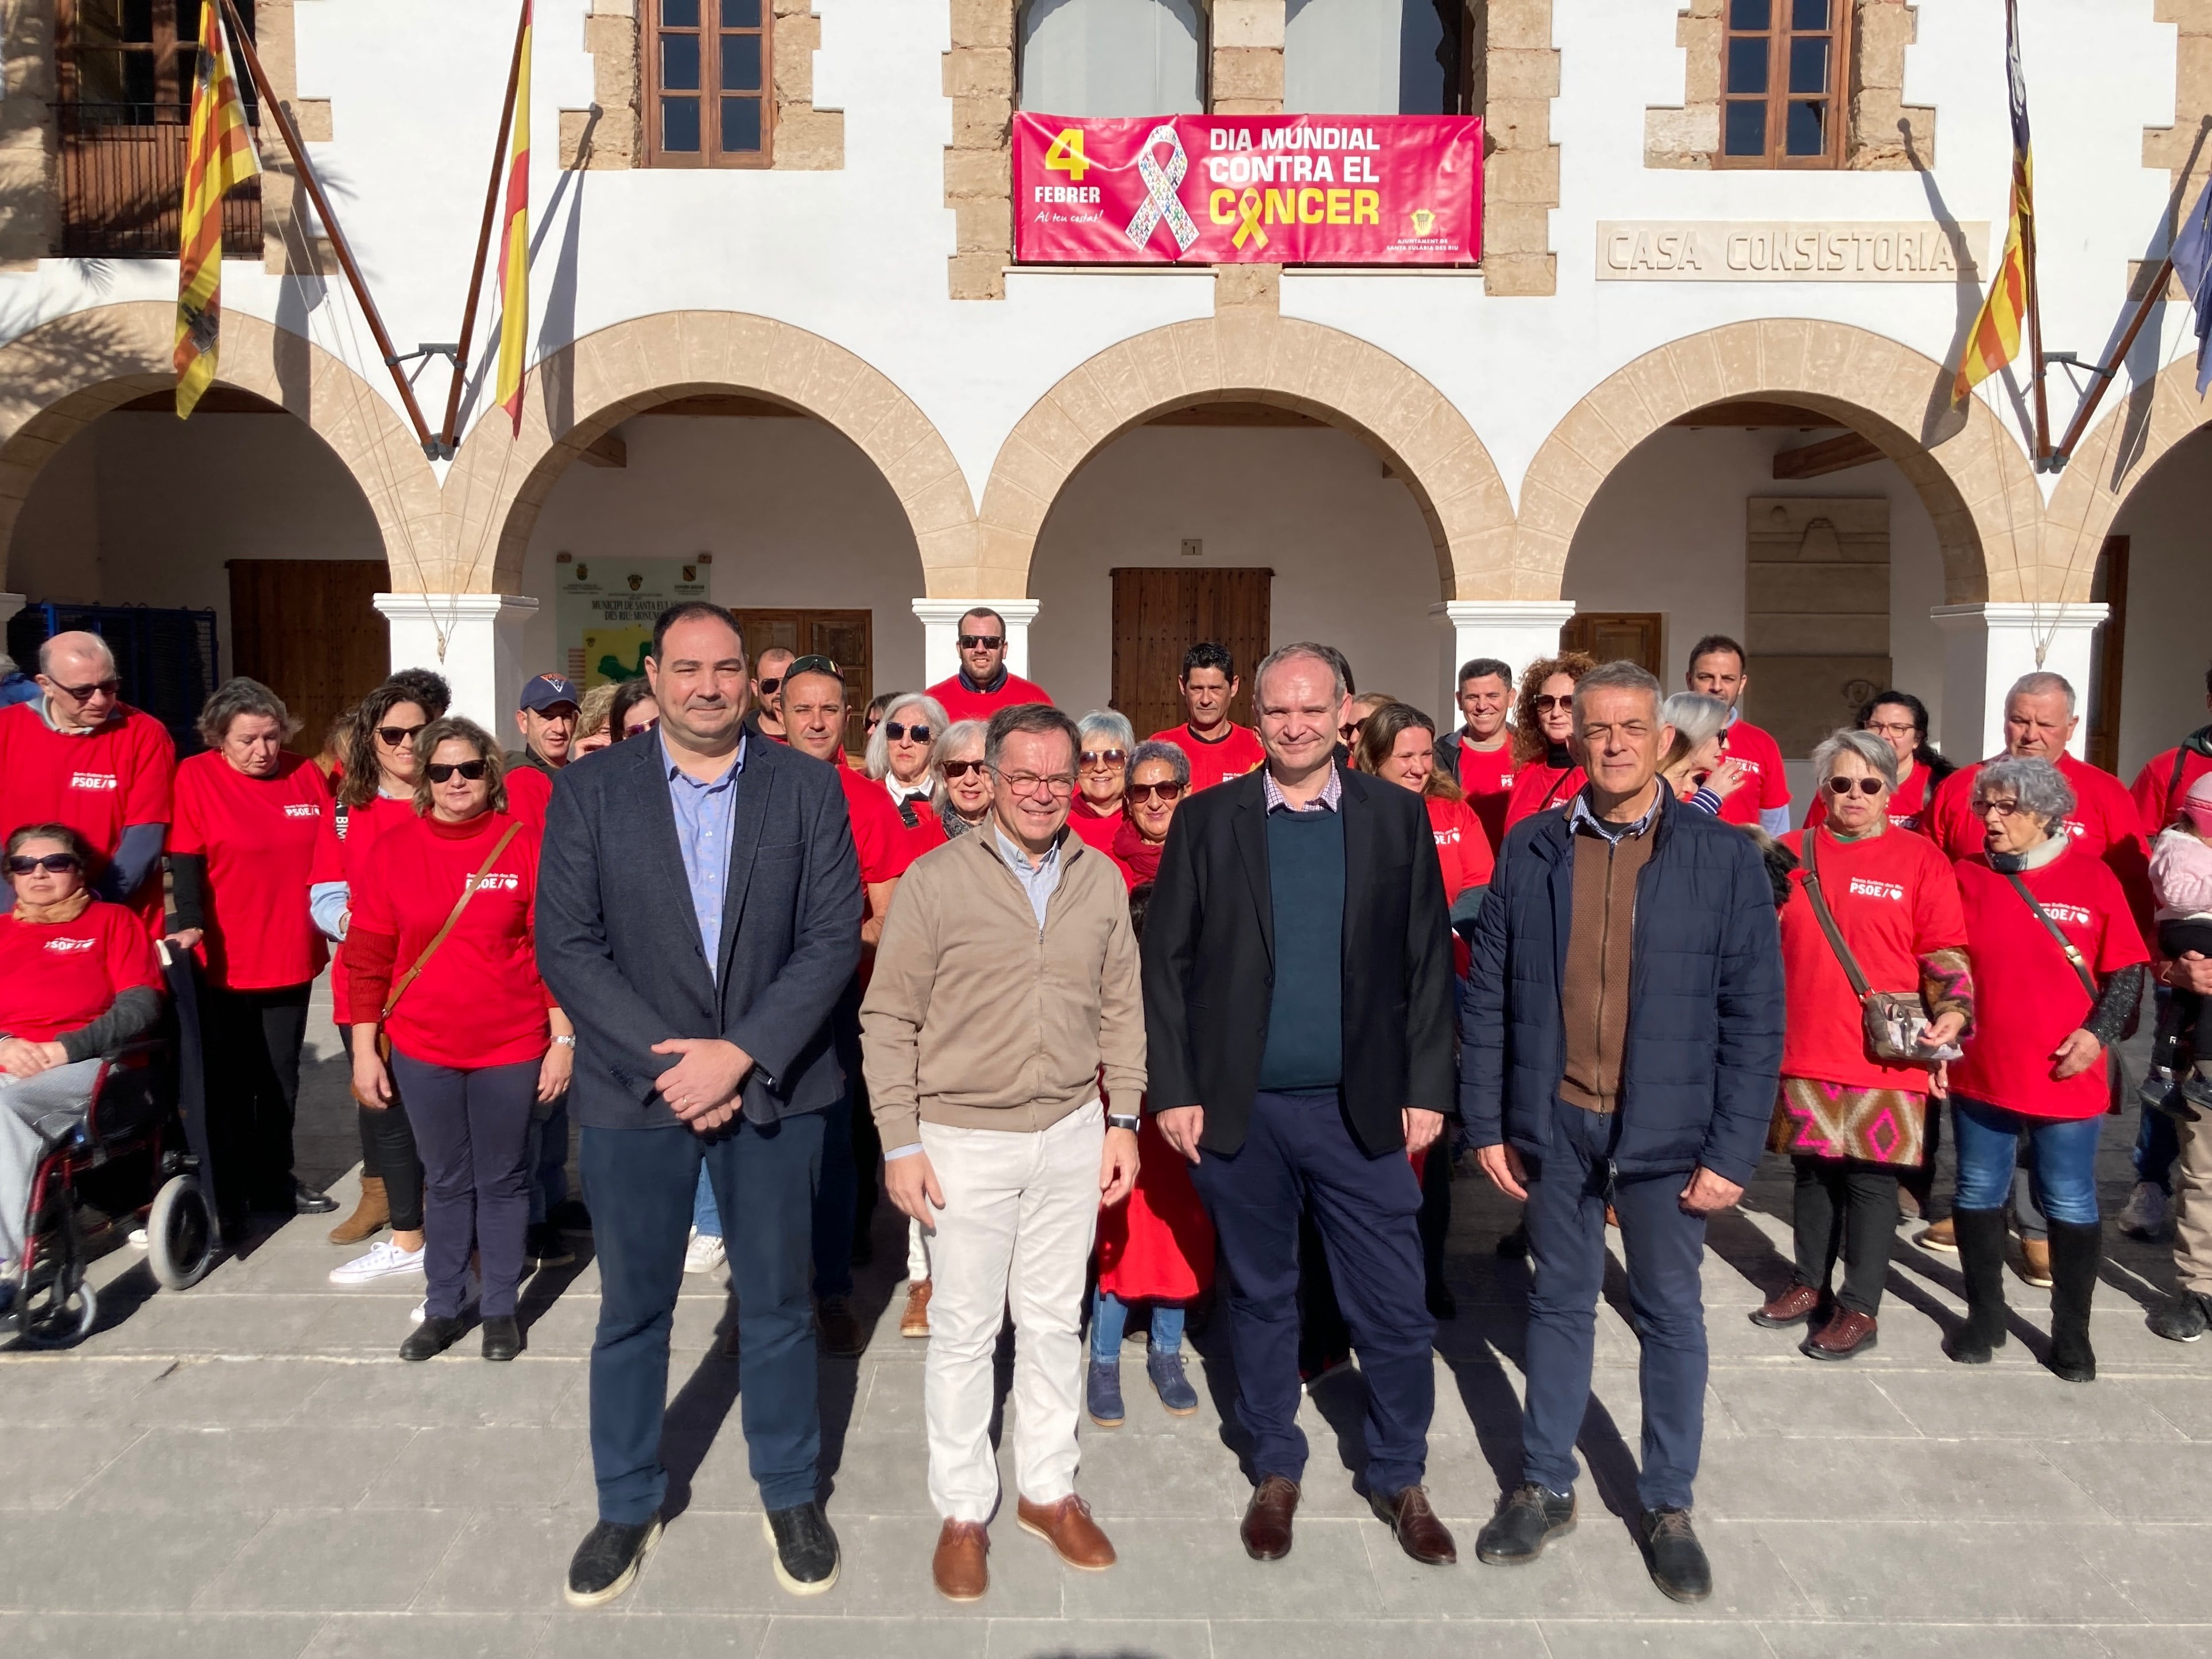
{"x": 1889, "y": 1020}
{"x": 399, "y": 985}
{"x": 2116, "y": 1069}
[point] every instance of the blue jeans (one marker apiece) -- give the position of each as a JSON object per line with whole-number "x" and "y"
{"x": 833, "y": 1207}
{"x": 1110, "y": 1321}
{"x": 706, "y": 1220}
{"x": 2064, "y": 1172}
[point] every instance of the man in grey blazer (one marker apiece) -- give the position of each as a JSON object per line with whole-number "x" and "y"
{"x": 698, "y": 913}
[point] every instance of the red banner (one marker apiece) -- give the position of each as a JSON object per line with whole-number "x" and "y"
{"x": 1365, "y": 190}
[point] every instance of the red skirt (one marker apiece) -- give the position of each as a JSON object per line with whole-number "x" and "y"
{"x": 1158, "y": 1243}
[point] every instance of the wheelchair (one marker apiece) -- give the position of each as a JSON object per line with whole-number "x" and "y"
{"x": 138, "y": 1159}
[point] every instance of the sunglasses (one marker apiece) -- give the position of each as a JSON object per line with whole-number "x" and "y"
{"x": 1545, "y": 703}
{"x": 640, "y": 730}
{"x": 769, "y": 686}
{"x": 394, "y": 736}
{"x": 981, "y": 641}
{"x": 53, "y": 863}
{"x": 808, "y": 665}
{"x": 901, "y": 734}
{"x": 107, "y": 687}
{"x": 1864, "y": 786}
{"x": 1350, "y": 729}
{"x": 955, "y": 770}
{"x": 1104, "y": 756}
{"x": 1170, "y": 792}
{"x": 442, "y": 771}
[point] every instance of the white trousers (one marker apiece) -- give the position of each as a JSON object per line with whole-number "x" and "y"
{"x": 917, "y": 1252}
{"x": 1020, "y": 1211}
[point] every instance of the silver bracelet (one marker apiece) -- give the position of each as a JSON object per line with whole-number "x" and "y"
{"x": 1122, "y": 1121}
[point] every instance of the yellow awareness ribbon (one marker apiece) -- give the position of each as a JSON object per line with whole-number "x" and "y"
{"x": 1248, "y": 224}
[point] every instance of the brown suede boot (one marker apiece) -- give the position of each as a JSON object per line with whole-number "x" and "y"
{"x": 370, "y": 1216}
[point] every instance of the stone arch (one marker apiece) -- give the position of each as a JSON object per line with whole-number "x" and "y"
{"x": 1255, "y": 357}
{"x": 59, "y": 378}
{"x": 1975, "y": 480}
{"x": 577, "y": 395}
{"x": 2113, "y": 457}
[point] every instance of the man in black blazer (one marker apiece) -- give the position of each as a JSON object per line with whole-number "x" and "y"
{"x": 1298, "y": 1014}
{"x": 698, "y": 913}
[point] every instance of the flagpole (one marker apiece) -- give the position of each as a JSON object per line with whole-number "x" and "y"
{"x": 2035, "y": 339}
{"x": 2154, "y": 294}
{"x": 298, "y": 151}
{"x": 483, "y": 236}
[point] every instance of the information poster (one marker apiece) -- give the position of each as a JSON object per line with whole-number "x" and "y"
{"x": 1352, "y": 190}
{"x": 604, "y": 610}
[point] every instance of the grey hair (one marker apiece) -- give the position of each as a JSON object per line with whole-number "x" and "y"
{"x": 1113, "y": 724}
{"x": 1152, "y": 749}
{"x": 1879, "y": 757}
{"x": 2043, "y": 683}
{"x": 1618, "y": 676}
{"x": 1305, "y": 648}
{"x": 1695, "y": 717}
{"x": 957, "y": 736}
{"x": 878, "y": 757}
{"x": 1039, "y": 718}
{"x": 241, "y": 696}
{"x": 2040, "y": 788}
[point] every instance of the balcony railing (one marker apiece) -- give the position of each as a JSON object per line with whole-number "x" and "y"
{"x": 123, "y": 183}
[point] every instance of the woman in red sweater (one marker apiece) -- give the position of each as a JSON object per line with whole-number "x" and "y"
{"x": 1850, "y": 1121}
{"x": 1543, "y": 722}
{"x": 474, "y": 1037}
{"x": 1159, "y": 777}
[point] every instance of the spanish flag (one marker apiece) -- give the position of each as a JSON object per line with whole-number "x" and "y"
{"x": 1996, "y": 337}
{"x": 515, "y": 244}
{"x": 221, "y": 155}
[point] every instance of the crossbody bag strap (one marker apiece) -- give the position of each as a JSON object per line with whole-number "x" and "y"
{"x": 2073, "y": 955}
{"x": 399, "y": 985}
{"x": 1820, "y": 913}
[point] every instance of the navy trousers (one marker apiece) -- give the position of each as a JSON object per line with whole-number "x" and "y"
{"x": 1299, "y": 1154}
{"x": 639, "y": 1184}
{"x": 1568, "y": 1192}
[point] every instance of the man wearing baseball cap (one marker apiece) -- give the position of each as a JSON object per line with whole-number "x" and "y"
{"x": 546, "y": 717}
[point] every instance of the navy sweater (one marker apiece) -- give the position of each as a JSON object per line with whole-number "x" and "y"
{"x": 1305, "y": 1014}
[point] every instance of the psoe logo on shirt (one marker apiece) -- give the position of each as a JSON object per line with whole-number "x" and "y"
{"x": 2073, "y": 913}
{"x": 92, "y": 780}
{"x": 1867, "y": 887}
{"x": 498, "y": 881}
{"x": 2076, "y": 827}
{"x": 72, "y": 947}
{"x": 302, "y": 809}
{"x": 1448, "y": 837}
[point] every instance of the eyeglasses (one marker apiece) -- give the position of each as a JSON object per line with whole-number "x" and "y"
{"x": 1091, "y": 758}
{"x": 53, "y": 863}
{"x": 107, "y": 687}
{"x": 807, "y": 665}
{"x": 1544, "y": 702}
{"x": 1025, "y": 783}
{"x": 955, "y": 770}
{"x": 2003, "y": 808}
{"x": 981, "y": 641}
{"x": 1170, "y": 792}
{"x": 442, "y": 771}
{"x": 903, "y": 734}
{"x": 1891, "y": 729}
{"x": 1864, "y": 786}
{"x": 393, "y": 736}
{"x": 640, "y": 730}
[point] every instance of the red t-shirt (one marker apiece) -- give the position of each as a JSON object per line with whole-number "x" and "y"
{"x": 259, "y": 837}
{"x": 2027, "y": 995}
{"x": 1765, "y": 784}
{"x": 1538, "y": 787}
{"x": 1233, "y": 754}
{"x": 1462, "y": 847}
{"x": 882, "y": 840}
{"x": 341, "y": 855}
{"x": 962, "y": 704}
{"x": 1908, "y": 803}
{"x": 479, "y": 1002}
{"x": 2157, "y": 795}
{"x": 1894, "y": 900}
{"x": 98, "y": 784}
{"x": 529, "y": 792}
{"x": 1488, "y": 776}
{"x": 1095, "y": 830}
{"x": 62, "y": 977}
{"x": 2103, "y": 822}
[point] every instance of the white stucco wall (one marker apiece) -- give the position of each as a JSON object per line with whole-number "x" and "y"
{"x": 2169, "y": 637}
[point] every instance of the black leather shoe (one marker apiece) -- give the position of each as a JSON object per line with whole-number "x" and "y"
{"x": 1528, "y": 1518}
{"x": 502, "y": 1337}
{"x": 306, "y": 1200}
{"x": 2184, "y": 1319}
{"x": 432, "y": 1338}
{"x": 605, "y": 1563}
{"x": 805, "y": 1548}
{"x": 1673, "y": 1555}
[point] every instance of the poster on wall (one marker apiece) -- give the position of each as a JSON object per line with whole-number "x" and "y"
{"x": 1351, "y": 190}
{"x": 604, "y": 610}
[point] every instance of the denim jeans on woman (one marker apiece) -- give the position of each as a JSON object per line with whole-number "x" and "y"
{"x": 2064, "y": 1171}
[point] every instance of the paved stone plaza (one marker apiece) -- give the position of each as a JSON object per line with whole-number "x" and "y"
{"x": 247, "y": 1470}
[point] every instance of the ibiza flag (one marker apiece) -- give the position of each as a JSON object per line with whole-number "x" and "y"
{"x": 1995, "y": 340}
{"x": 220, "y": 156}
{"x": 514, "y": 244}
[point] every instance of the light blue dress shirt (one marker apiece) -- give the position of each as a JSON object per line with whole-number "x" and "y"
{"x": 706, "y": 817}
{"x": 1039, "y": 879}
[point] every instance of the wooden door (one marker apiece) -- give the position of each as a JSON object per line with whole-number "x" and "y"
{"x": 1616, "y": 636}
{"x": 309, "y": 630}
{"x": 1160, "y": 614}
{"x": 846, "y": 637}
{"x": 2109, "y": 586}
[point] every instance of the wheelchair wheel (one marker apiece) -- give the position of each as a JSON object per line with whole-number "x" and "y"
{"x": 180, "y": 1234}
{"x": 55, "y": 1319}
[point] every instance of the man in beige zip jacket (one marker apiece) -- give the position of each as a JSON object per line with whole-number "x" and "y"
{"x": 1006, "y": 980}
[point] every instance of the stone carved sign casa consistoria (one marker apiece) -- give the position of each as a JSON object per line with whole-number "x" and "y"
{"x": 1788, "y": 251}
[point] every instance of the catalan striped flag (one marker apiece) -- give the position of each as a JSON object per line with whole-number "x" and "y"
{"x": 220, "y": 156}
{"x": 1995, "y": 340}
{"x": 514, "y": 244}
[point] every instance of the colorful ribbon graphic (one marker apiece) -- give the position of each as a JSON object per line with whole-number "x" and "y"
{"x": 1160, "y": 186}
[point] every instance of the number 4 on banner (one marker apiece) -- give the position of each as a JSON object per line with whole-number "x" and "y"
{"x": 1066, "y": 155}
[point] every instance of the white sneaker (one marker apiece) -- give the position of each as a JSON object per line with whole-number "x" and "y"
{"x": 2146, "y": 1214}
{"x": 136, "y": 1239}
{"x": 384, "y": 1259}
{"x": 471, "y": 1293}
{"x": 704, "y": 1254}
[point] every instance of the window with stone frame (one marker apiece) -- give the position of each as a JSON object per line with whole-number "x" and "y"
{"x": 707, "y": 77}
{"x": 1784, "y": 87}
{"x": 1381, "y": 57}
{"x": 1102, "y": 58}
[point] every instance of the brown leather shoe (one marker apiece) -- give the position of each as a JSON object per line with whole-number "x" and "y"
{"x": 914, "y": 1321}
{"x": 961, "y": 1569}
{"x": 1793, "y": 1307}
{"x": 1847, "y": 1334}
{"x": 368, "y": 1217}
{"x": 1941, "y": 1236}
{"x": 1266, "y": 1526}
{"x": 1420, "y": 1534}
{"x": 839, "y": 1327}
{"x": 1068, "y": 1528}
{"x": 2035, "y": 1261}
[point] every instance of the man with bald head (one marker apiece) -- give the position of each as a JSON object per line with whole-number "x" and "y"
{"x": 77, "y": 754}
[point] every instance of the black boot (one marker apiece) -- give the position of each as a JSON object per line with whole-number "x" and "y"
{"x": 1981, "y": 1235}
{"x": 2075, "y": 1252}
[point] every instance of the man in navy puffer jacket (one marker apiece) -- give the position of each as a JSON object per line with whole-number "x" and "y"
{"x": 1621, "y": 1042}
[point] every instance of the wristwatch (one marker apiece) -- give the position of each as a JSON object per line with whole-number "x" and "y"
{"x": 1122, "y": 1121}
{"x": 567, "y": 1041}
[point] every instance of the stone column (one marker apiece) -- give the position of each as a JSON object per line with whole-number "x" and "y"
{"x": 940, "y": 628}
{"x": 1246, "y": 75}
{"x": 1988, "y": 647}
{"x": 1517, "y": 631}
{"x": 482, "y": 658}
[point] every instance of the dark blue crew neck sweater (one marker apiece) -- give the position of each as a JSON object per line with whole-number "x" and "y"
{"x": 1305, "y": 1014}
